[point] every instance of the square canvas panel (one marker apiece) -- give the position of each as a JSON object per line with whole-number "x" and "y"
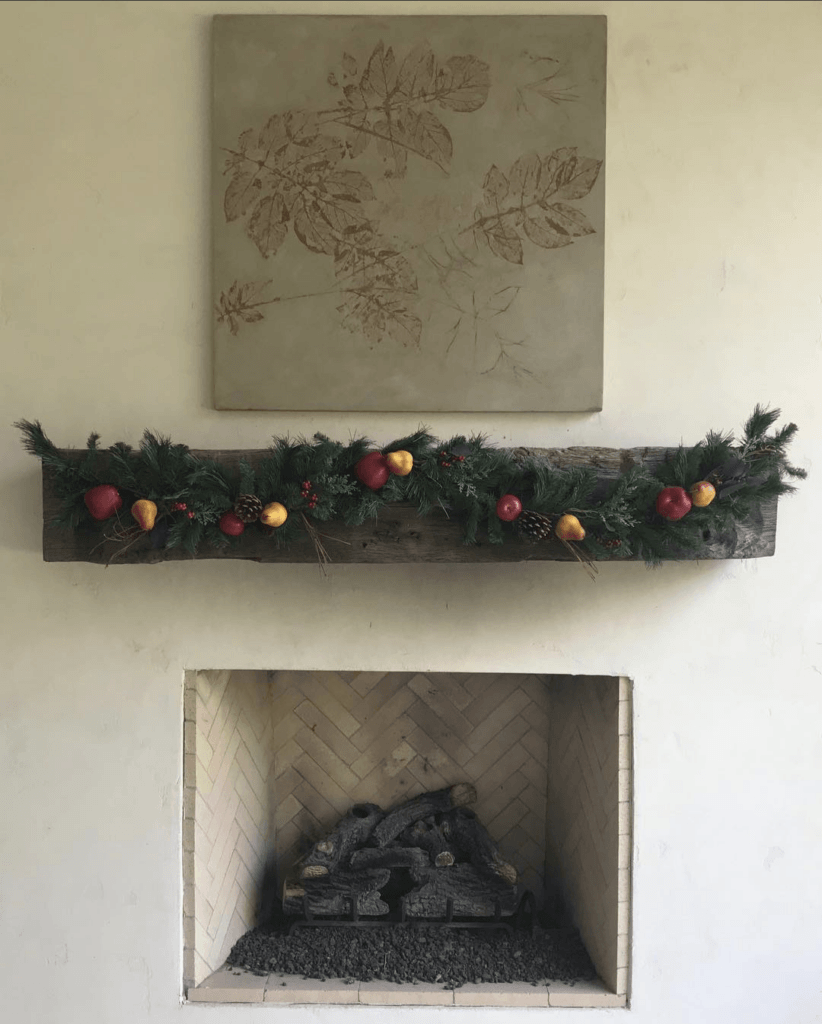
{"x": 408, "y": 212}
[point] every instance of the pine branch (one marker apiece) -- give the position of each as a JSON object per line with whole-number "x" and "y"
{"x": 248, "y": 479}
{"x": 419, "y": 444}
{"x": 757, "y": 424}
{"x": 38, "y": 444}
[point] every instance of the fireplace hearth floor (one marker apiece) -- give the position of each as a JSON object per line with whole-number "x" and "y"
{"x": 235, "y": 985}
{"x": 410, "y": 966}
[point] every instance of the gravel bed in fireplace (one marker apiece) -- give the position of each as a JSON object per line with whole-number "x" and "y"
{"x": 448, "y": 956}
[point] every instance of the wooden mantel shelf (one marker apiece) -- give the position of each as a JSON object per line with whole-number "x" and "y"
{"x": 399, "y": 535}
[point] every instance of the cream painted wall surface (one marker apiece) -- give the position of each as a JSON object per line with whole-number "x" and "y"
{"x": 713, "y": 301}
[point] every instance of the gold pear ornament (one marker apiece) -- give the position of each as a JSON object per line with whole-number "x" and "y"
{"x": 274, "y": 514}
{"x": 145, "y": 512}
{"x": 702, "y": 493}
{"x": 569, "y": 528}
{"x": 400, "y": 462}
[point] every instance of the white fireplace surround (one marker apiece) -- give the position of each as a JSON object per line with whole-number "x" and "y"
{"x": 274, "y": 758}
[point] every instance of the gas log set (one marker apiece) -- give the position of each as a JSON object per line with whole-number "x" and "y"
{"x": 416, "y": 894}
{"x": 429, "y": 858}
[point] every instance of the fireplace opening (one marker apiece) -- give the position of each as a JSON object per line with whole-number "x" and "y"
{"x": 433, "y": 838}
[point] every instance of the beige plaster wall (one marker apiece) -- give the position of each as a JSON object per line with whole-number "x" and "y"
{"x": 712, "y": 303}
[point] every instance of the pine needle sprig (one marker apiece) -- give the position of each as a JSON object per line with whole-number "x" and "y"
{"x": 758, "y": 423}
{"x": 766, "y": 453}
{"x": 683, "y": 467}
{"x": 214, "y": 537}
{"x": 472, "y": 523}
{"x": 247, "y": 482}
{"x": 193, "y": 537}
{"x": 272, "y": 474}
{"x": 623, "y": 506}
{"x": 716, "y": 449}
{"x": 555, "y": 491}
{"x": 287, "y": 533}
{"x": 422, "y": 488}
{"x": 420, "y": 444}
{"x": 496, "y": 534}
{"x": 73, "y": 474}
{"x": 36, "y": 443}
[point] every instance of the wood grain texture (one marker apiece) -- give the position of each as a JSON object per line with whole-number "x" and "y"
{"x": 400, "y": 535}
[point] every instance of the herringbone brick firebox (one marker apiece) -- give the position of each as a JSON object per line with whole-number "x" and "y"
{"x": 274, "y": 759}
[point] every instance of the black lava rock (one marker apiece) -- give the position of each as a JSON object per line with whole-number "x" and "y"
{"x": 450, "y": 956}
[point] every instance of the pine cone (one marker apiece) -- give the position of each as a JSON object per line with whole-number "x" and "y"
{"x": 535, "y": 525}
{"x": 248, "y": 507}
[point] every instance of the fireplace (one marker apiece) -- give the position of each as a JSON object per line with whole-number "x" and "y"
{"x": 274, "y": 759}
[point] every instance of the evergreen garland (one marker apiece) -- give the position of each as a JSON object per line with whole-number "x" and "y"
{"x": 316, "y": 482}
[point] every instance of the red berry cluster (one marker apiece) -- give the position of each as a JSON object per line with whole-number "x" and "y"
{"x": 447, "y": 461}
{"x": 306, "y": 492}
{"x": 180, "y": 506}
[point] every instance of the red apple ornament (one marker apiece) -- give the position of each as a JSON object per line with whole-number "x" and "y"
{"x": 673, "y": 503}
{"x": 509, "y": 507}
{"x": 372, "y": 470}
{"x": 103, "y": 501}
{"x": 231, "y": 525}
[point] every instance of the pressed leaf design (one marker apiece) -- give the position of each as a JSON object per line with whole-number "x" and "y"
{"x": 533, "y": 197}
{"x": 476, "y": 309}
{"x": 416, "y": 76}
{"x": 366, "y": 256}
{"x": 289, "y": 173}
{"x": 567, "y": 220}
{"x": 568, "y": 175}
{"x": 503, "y": 240}
{"x": 463, "y": 84}
{"x": 240, "y": 194}
{"x": 295, "y": 176}
{"x": 266, "y": 226}
{"x": 380, "y": 290}
{"x": 539, "y": 228}
{"x": 495, "y": 187}
{"x": 349, "y": 186}
{"x": 380, "y": 77}
{"x": 525, "y": 177}
{"x": 549, "y": 82}
{"x": 312, "y": 229}
{"x": 377, "y": 316}
{"x": 240, "y": 304}
{"x": 430, "y": 137}
{"x": 392, "y": 103}
{"x": 393, "y": 144}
